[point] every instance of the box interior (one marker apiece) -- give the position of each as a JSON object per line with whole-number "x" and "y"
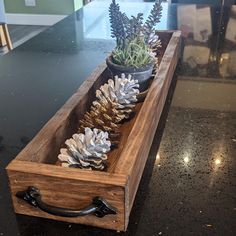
{"x": 45, "y": 147}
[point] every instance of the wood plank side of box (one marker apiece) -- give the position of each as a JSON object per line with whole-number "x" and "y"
{"x": 133, "y": 158}
{"x": 66, "y": 188}
{"x": 72, "y": 188}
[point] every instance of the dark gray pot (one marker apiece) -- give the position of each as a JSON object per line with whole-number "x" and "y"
{"x": 142, "y": 74}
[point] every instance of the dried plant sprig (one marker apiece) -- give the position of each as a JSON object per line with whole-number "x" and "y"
{"x": 117, "y": 20}
{"x": 153, "y": 19}
{"x": 126, "y": 29}
{"x": 134, "y": 38}
{"x": 133, "y": 26}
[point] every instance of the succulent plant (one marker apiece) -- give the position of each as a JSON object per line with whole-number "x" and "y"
{"x": 133, "y": 37}
{"x": 115, "y": 102}
{"x": 87, "y": 151}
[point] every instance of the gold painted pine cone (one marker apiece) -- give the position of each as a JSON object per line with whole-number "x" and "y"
{"x": 99, "y": 129}
{"x": 115, "y": 102}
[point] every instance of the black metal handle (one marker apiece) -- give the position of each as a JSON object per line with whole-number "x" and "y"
{"x": 99, "y": 206}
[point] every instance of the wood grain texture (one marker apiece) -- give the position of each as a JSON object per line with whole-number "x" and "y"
{"x": 5, "y": 37}
{"x": 2, "y": 37}
{"x": 135, "y": 153}
{"x": 36, "y": 163}
{"x": 64, "y": 188}
{"x": 68, "y": 173}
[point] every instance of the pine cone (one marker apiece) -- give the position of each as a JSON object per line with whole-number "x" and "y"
{"x": 154, "y": 41}
{"x": 115, "y": 103}
{"x": 87, "y": 151}
{"x": 122, "y": 91}
{"x": 103, "y": 116}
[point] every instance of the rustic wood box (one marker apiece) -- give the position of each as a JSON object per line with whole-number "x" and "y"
{"x": 36, "y": 165}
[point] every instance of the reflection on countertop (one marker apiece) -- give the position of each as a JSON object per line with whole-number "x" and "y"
{"x": 209, "y": 40}
{"x": 193, "y": 181}
{"x": 205, "y": 93}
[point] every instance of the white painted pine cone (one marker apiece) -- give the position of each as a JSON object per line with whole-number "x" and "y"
{"x": 122, "y": 90}
{"x": 86, "y": 150}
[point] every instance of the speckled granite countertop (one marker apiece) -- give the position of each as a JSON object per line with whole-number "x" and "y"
{"x": 189, "y": 183}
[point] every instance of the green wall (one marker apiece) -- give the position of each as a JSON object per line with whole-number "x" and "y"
{"x": 58, "y": 7}
{"x": 78, "y": 4}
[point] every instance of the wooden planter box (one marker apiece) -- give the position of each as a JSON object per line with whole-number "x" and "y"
{"x": 75, "y": 188}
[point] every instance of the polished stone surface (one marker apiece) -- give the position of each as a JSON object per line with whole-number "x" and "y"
{"x": 189, "y": 183}
{"x": 20, "y": 34}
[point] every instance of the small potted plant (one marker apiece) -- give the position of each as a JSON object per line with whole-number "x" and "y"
{"x": 135, "y": 43}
